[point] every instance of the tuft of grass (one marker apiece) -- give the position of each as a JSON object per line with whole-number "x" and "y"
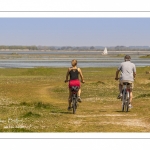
{"x": 43, "y": 105}
{"x": 24, "y": 104}
{"x": 30, "y": 114}
{"x": 100, "y": 82}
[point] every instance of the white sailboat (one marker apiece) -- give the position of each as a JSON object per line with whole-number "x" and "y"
{"x": 105, "y": 51}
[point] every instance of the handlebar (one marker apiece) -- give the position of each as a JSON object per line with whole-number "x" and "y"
{"x": 68, "y": 81}
{"x": 117, "y": 78}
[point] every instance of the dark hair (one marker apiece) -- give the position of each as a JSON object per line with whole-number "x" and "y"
{"x": 127, "y": 58}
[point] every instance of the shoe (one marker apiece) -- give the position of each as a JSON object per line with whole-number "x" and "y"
{"x": 119, "y": 96}
{"x": 69, "y": 108}
{"x": 130, "y": 106}
{"x": 79, "y": 99}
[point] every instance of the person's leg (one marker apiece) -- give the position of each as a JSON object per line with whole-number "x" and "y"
{"x": 131, "y": 95}
{"x": 79, "y": 92}
{"x": 120, "y": 91}
{"x": 130, "y": 106}
{"x": 69, "y": 100}
{"x": 77, "y": 83}
{"x": 120, "y": 88}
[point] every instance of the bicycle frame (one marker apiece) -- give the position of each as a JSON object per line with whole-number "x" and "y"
{"x": 125, "y": 97}
{"x": 74, "y": 90}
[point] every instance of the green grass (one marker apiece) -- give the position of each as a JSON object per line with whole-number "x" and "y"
{"x": 146, "y": 56}
{"x": 35, "y": 100}
{"x": 121, "y": 55}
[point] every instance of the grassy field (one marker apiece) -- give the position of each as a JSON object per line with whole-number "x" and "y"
{"x": 35, "y": 100}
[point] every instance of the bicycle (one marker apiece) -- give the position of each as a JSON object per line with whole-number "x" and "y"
{"x": 125, "y": 96}
{"x": 74, "y": 96}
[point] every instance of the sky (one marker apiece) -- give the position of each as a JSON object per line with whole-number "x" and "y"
{"x": 75, "y": 31}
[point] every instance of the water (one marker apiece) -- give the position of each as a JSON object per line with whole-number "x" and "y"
{"x": 32, "y": 64}
{"x": 63, "y": 59}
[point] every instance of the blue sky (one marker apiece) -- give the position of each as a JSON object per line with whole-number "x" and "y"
{"x": 75, "y": 31}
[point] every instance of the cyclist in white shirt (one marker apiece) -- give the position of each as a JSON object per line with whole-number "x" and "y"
{"x": 127, "y": 71}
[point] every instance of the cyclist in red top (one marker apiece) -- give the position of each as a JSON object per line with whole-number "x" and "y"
{"x": 74, "y": 72}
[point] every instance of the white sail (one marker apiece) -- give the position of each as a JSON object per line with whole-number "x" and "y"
{"x": 105, "y": 51}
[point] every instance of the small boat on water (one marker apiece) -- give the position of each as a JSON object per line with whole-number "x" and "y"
{"x": 105, "y": 51}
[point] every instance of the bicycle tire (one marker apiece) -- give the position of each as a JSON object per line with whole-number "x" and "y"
{"x": 126, "y": 106}
{"x": 122, "y": 106}
{"x": 127, "y": 102}
{"x": 123, "y": 100}
{"x": 73, "y": 105}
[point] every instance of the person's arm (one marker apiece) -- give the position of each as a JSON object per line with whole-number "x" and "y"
{"x": 117, "y": 73}
{"x": 81, "y": 75}
{"x": 134, "y": 72}
{"x": 67, "y": 75}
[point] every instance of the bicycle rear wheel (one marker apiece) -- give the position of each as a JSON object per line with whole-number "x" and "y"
{"x": 127, "y": 101}
{"x": 74, "y": 105}
{"x": 126, "y": 106}
{"x": 123, "y": 106}
{"x": 123, "y": 100}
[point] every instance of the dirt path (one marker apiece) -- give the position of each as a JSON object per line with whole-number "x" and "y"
{"x": 96, "y": 118}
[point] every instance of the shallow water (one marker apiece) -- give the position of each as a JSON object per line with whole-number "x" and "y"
{"x": 63, "y": 59}
{"x": 55, "y": 63}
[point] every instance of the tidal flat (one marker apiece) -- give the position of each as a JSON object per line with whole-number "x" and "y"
{"x": 35, "y": 100}
{"x": 61, "y": 59}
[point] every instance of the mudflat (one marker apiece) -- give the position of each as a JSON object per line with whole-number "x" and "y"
{"x": 31, "y": 59}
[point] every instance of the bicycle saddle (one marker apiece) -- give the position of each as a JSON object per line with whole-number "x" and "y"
{"x": 126, "y": 83}
{"x": 75, "y": 88}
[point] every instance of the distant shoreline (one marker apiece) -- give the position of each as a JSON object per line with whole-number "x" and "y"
{"x": 26, "y": 50}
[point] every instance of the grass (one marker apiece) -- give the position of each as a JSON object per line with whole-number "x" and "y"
{"x": 35, "y": 100}
{"x": 146, "y": 56}
{"x": 121, "y": 55}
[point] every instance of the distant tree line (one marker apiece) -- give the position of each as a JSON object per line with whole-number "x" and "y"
{"x": 45, "y": 48}
{"x": 19, "y": 47}
{"x": 97, "y": 48}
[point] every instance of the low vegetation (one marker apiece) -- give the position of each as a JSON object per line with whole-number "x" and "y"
{"x": 145, "y": 56}
{"x": 35, "y": 100}
{"x": 121, "y": 55}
